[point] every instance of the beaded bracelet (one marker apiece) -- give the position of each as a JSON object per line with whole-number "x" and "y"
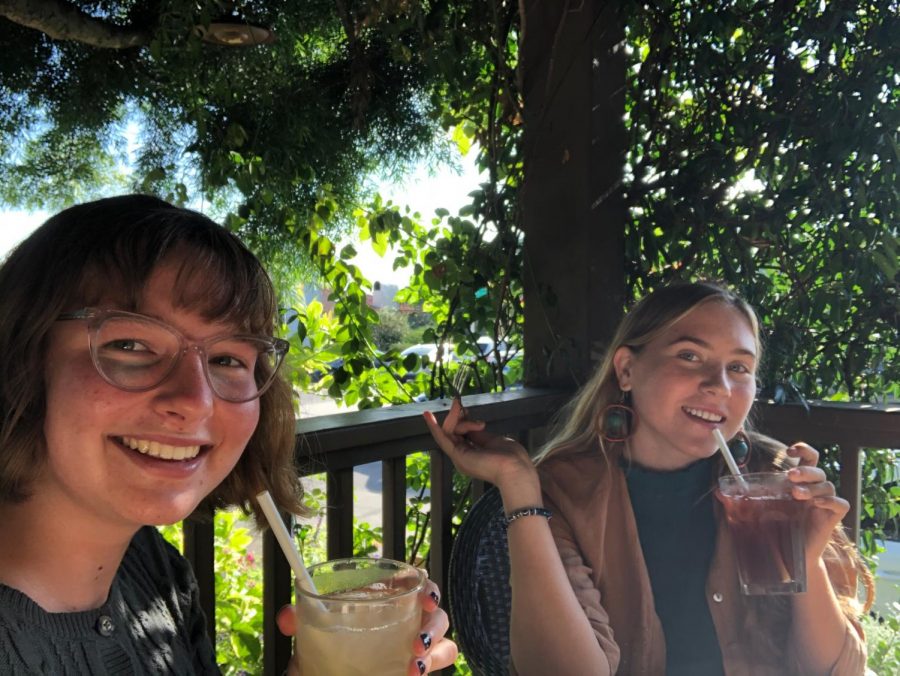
{"x": 526, "y": 511}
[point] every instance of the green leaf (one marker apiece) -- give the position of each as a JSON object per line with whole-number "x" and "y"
{"x": 885, "y": 264}
{"x": 380, "y": 243}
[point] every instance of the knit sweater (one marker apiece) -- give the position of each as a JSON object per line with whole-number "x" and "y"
{"x": 151, "y": 623}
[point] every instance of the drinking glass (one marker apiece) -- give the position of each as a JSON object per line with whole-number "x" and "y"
{"x": 363, "y": 619}
{"x": 768, "y": 527}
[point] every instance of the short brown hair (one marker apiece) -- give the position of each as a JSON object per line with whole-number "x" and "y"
{"x": 110, "y": 248}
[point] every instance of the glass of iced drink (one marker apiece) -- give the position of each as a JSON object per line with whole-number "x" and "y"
{"x": 362, "y": 620}
{"x": 768, "y": 527}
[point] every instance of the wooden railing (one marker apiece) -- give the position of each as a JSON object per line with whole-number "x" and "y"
{"x": 335, "y": 444}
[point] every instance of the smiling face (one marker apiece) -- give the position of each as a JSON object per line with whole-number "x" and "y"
{"x": 696, "y": 375}
{"x": 125, "y": 459}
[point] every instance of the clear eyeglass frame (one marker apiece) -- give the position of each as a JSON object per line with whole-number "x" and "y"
{"x": 154, "y": 374}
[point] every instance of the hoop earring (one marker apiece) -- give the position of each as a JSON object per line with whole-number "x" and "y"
{"x": 617, "y": 421}
{"x": 740, "y": 447}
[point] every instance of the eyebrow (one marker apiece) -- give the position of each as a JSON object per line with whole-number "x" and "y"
{"x": 704, "y": 344}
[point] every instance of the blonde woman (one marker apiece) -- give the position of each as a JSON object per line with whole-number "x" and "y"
{"x": 634, "y": 572}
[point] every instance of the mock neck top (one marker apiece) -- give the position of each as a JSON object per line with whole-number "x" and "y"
{"x": 676, "y": 527}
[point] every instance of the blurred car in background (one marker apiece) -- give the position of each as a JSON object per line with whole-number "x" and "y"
{"x": 491, "y": 351}
{"x": 429, "y": 350}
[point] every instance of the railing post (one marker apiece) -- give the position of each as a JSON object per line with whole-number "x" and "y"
{"x": 339, "y": 487}
{"x": 199, "y": 550}
{"x": 441, "y": 523}
{"x": 851, "y": 488}
{"x": 393, "y": 507}
{"x": 441, "y": 517}
{"x": 277, "y": 588}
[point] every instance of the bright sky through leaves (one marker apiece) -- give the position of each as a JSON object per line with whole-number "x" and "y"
{"x": 424, "y": 190}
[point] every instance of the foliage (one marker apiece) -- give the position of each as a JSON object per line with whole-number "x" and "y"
{"x": 460, "y": 304}
{"x": 264, "y": 131}
{"x": 311, "y": 533}
{"x": 764, "y": 151}
{"x": 390, "y": 329}
{"x": 239, "y": 605}
{"x": 419, "y": 319}
{"x": 727, "y": 176}
{"x": 883, "y": 642}
{"x": 880, "y": 500}
{"x": 881, "y": 503}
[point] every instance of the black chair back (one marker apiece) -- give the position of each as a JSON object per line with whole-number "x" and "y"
{"x": 478, "y": 588}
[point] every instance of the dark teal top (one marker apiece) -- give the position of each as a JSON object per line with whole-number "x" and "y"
{"x": 677, "y": 530}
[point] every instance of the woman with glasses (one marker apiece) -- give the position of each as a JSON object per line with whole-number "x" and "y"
{"x": 139, "y": 381}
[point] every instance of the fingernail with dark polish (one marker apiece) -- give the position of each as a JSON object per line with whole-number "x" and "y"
{"x": 435, "y": 596}
{"x": 421, "y": 665}
{"x": 426, "y": 639}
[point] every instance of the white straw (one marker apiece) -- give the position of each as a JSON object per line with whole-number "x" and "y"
{"x": 726, "y": 453}
{"x": 286, "y": 541}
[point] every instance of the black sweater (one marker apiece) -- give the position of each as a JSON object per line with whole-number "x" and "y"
{"x": 150, "y": 624}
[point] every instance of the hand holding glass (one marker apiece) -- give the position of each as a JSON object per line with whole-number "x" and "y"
{"x": 768, "y": 527}
{"x": 363, "y": 620}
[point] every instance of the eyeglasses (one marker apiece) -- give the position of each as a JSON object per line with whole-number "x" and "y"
{"x": 137, "y": 353}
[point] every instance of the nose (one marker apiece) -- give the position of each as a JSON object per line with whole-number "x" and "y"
{"x": 186, "y": 393}
{"x": 715, "y": 379}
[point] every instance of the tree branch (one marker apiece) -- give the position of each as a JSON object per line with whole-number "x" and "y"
{"x": 62, "y": 20}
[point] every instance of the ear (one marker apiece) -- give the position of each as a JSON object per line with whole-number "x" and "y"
{"x": 623, "y": 362}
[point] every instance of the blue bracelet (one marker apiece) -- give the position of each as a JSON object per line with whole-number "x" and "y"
{"x": 526, "y": 511}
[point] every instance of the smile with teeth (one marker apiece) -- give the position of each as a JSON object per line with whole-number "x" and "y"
{"x": 157, "y": 450}
{"x": 703, "y": 415}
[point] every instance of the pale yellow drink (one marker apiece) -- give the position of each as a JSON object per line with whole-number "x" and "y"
{"x": 363, "y": 620}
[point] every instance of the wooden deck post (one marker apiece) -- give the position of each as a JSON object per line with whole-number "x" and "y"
{"x": 573, "y": 209}
{"x": 851, "y": 488}
{"x": 277, "y": 590}
{"x": 199, "y": 549}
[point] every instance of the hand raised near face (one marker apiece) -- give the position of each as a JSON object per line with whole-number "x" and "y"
{"x": 477, "y": 453}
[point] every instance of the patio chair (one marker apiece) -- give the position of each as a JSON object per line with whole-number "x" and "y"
{"x": 478, "y": 588}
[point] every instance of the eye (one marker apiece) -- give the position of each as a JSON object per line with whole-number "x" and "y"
{"x": 687, "y": 355}
{"x": 125, "y": 345}
{"x": 130, "y": 352}
{"x": 228, "y": 361}
{"x": 740, "y": 368}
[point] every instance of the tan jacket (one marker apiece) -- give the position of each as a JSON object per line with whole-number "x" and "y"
{"x": 595, "y": 531}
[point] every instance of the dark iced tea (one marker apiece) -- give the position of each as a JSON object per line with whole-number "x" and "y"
{"x": 768, "y": 528}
